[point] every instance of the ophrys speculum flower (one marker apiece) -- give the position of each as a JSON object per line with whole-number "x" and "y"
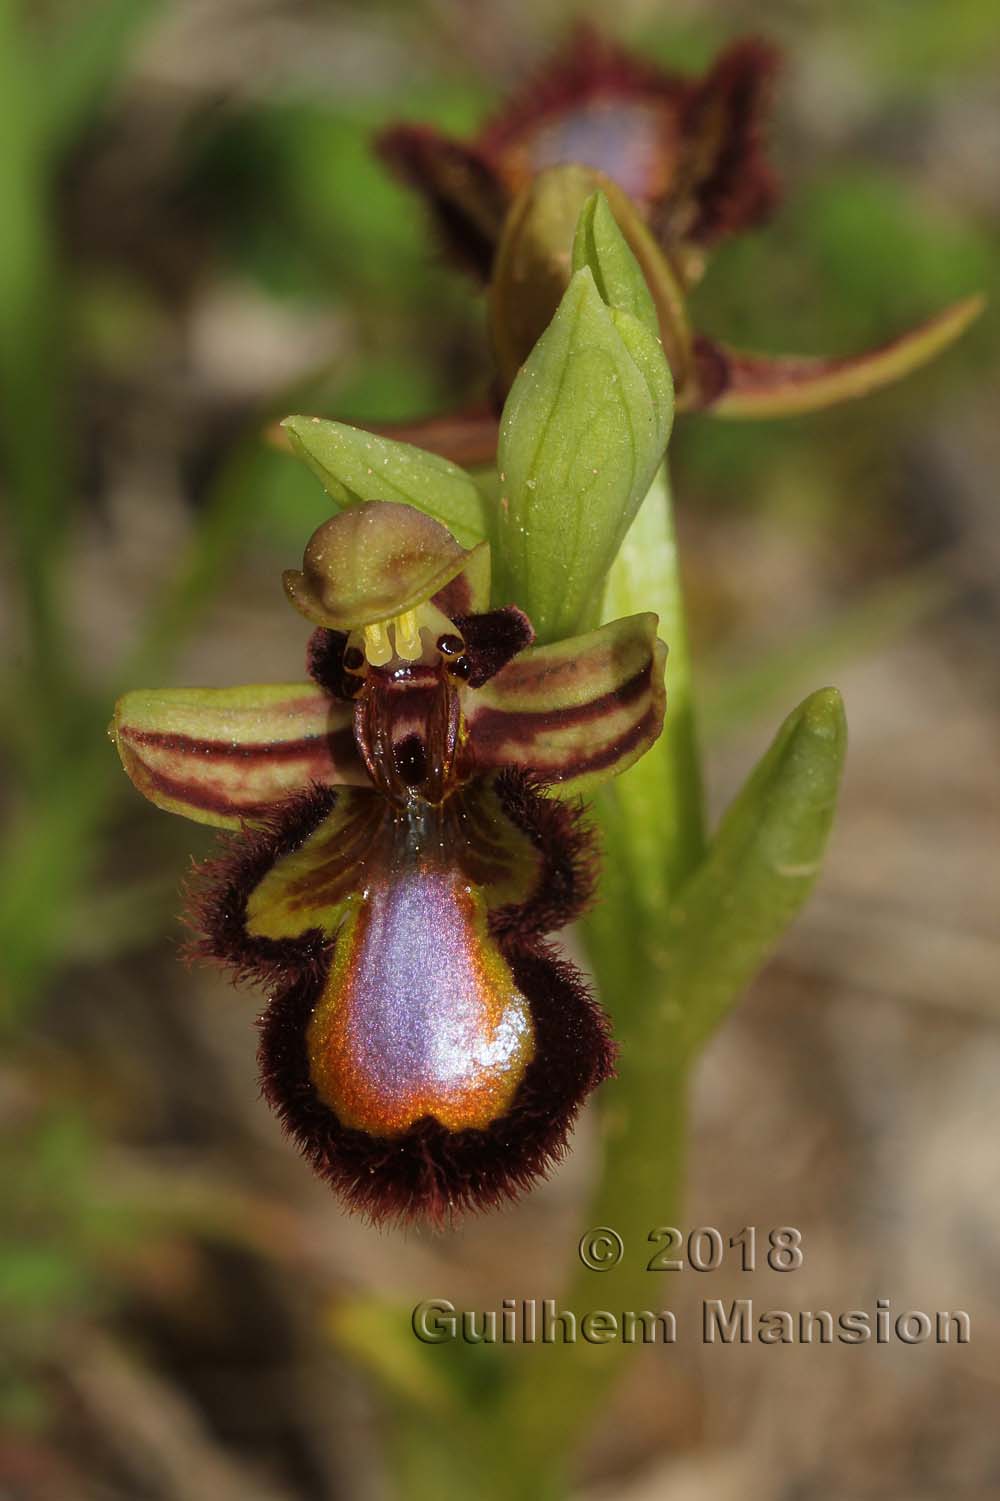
{"x": 398, "y": 863}
{"x": 683, "y": 165}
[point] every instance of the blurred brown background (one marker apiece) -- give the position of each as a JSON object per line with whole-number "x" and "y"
{"x": 208, "y": 242}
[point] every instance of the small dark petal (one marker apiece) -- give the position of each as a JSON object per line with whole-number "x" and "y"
{"x": 727, "y": 183}
{"x": 429, "y": 1172}
{"x": 455, "y": 598}
{"x": 570, "y": 864}
{"x": 354, "y": 659}
{"x": 466, "y": 197}
{"x": 491, "y": 639}
{"x": 460, "y": 667}
{"x": 450, "y": 646}
{"x": 325, "y": 663}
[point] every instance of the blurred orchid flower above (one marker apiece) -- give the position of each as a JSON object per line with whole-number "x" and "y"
{"x": 683, "y": 163}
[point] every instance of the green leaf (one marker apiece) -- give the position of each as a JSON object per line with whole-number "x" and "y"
{"x": 353, "y": 465}
{"x": 583, "y": 430}
{"x": 600, "y": 244}
{"x": 759, "y": 869}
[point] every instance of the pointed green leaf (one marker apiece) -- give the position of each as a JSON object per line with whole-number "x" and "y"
{"x": 583, "y": 429}
{"x": 544, "y": 242}
{"x": 600, "y": 244}
{"x": 652, "y": 819}
{"x": 353, "y": 465}
{"x": 647, "y": 352}
{"x": 759, "y": 869}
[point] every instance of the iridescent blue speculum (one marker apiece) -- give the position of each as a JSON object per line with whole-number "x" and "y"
{"x": 423, "y": 1043}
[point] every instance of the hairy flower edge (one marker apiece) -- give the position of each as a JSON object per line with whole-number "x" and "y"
{"x": 427, "y": 1171}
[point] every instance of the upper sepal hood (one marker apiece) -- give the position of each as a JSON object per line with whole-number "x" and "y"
{"x": 354, "y": 466}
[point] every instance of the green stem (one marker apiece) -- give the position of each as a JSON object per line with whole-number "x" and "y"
{"x": 660, "y": 829}
{"x": 652, "y": 819}
{"x": 560, "y": 1388}
{"x": 653, "y": 826}
{"x": 652, "y": 823}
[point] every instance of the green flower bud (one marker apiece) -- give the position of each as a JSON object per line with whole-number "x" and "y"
{"x": 583, "y": 430}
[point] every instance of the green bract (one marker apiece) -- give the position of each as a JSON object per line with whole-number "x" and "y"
{"x": 583, "y": 430}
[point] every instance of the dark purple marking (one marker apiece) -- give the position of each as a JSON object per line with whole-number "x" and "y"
{"x": 339, "y": 744}
{"x": 522, "y": 726}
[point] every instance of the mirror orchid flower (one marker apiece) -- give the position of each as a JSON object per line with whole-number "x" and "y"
{"x": 405, "y": 830}
{"x": 683, "y": 163}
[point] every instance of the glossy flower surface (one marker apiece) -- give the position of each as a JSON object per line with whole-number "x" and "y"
{"x": 682, "y": 160}
{"x": 395, "y": 863}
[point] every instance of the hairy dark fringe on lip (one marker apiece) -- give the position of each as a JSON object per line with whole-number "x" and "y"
{"x": 570, "y": 857}
{"x": 217, "y": 891}
{"x": 429, "y": 1172}
{"x": 715, "y": 125}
